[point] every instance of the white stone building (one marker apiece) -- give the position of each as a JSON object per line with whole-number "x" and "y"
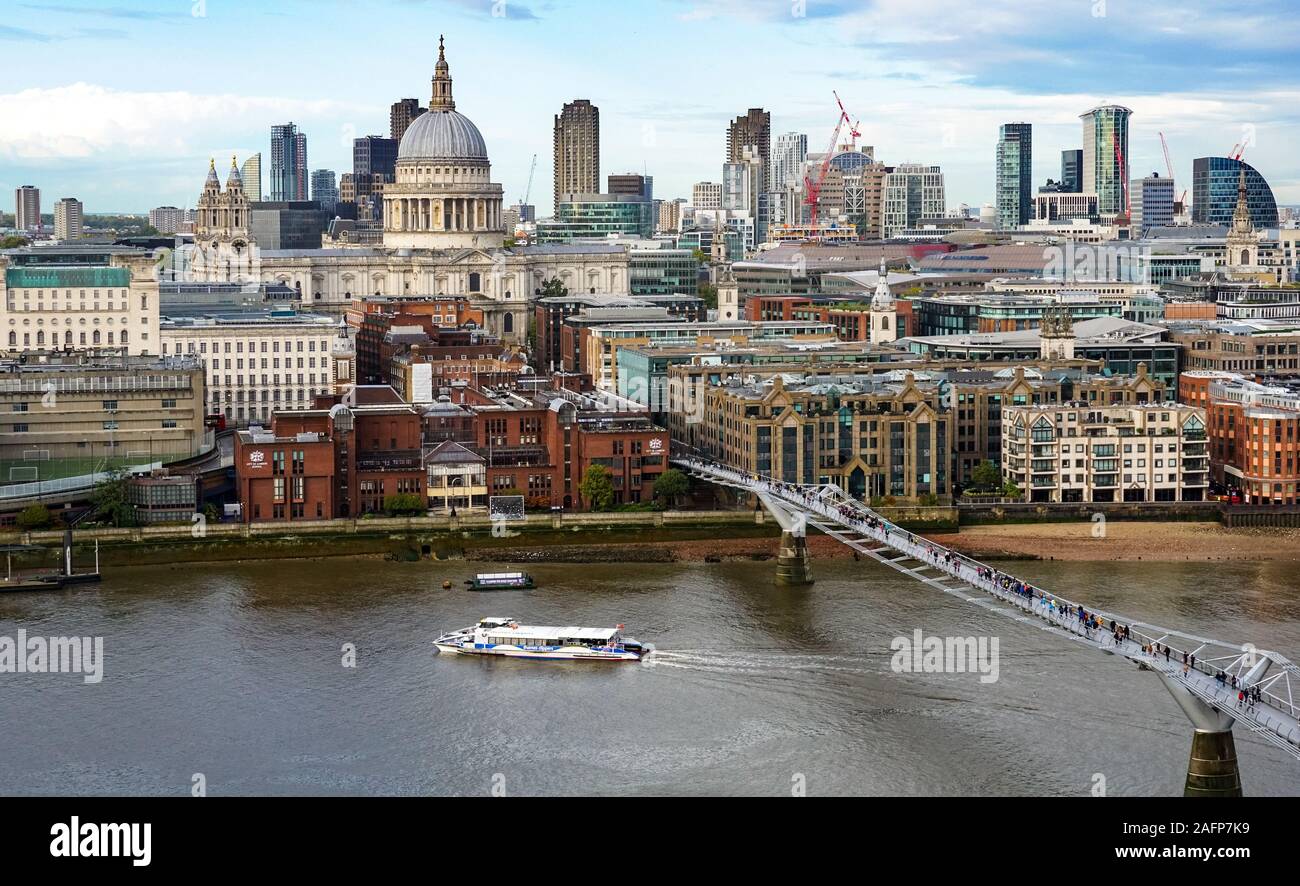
{"x": 444, "y": 234}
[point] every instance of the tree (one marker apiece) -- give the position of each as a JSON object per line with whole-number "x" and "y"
{"x": 34, "y": 517}
{"x": 1011, "y": 490}
{"x": 111, "y": 500}
{"x": 709, "y": 293}
{"x": 404, "y": 504}
{"x": 986, "y": 476}
{"x": 553, "y": 287}
{"x": 672, "y": 485}
{"x": 12, "y": 242}
{"x": 597, "y": 487}
{"x": 700, "y": 256}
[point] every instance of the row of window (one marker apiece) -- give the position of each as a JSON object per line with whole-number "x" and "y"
{"x": 95, "y": 338}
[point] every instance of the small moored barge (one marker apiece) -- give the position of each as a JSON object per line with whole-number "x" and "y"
{"x": 501, "y": 581}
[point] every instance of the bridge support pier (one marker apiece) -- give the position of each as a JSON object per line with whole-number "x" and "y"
{"x": 1212, "y": 769}
{"x": 793, "y": 562}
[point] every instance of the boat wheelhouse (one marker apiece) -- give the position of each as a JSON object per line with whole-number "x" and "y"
{"x": 507, "y": 637}
{"x": 501, "y": 581}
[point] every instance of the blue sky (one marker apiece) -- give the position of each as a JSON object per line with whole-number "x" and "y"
{"x": 121, "y": 103}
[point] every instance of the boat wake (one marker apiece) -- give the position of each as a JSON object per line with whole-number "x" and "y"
{"x": 757, "y": 661}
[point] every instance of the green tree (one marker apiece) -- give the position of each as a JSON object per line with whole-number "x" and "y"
{"x": 709, "y": 293}
{"x": 671, "y": 485}
{"x": 700, "y": 256}
{"x": 12, "y": 242}
{"x": 404, "y": 504}
{"x": 553, "y": 287}
{"x": 1011, "y": 490}
{"x": 597, "y": 488}
{"x": 34, "y": 517}
{"x": 111, "y": 501}
{"x": 986, "y": 476}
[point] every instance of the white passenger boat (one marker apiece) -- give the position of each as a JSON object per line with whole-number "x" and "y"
{"x": 505, "y": 636}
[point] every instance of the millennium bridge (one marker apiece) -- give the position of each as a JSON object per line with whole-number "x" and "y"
{"x": 1205, "y": 676}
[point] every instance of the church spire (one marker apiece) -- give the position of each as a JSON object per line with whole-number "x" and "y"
{"x": 441, "y": 100}
{"x": 883, "y": 298}
{"x": 1242, "y": 223}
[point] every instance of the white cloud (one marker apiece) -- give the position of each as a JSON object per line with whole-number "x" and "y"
{"x": 83, "y": 120}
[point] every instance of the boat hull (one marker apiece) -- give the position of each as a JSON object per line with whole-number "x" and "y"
{"x": 561, "y": 654}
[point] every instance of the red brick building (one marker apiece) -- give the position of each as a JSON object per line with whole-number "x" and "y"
{"x": 340, "y": 459}
{"x": 1253, "y": 432}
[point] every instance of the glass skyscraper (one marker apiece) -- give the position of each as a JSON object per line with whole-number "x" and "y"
{"x": 1106, "y": 158}
{"x": 1214, "y": 193}
{"x": 1015, "y": 165}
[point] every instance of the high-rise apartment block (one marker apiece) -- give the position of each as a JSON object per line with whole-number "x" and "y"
{"x": 27, "y": 208}
{"x": 68, "y": 219}
{"x": 577, "y": 150}
{"x": 325, "y": 189}
{"x": 1015, "y": 165}
{"x": 400, "y": 116}
{"x": 753, "y": 129}
{"x": 288, "y": 163}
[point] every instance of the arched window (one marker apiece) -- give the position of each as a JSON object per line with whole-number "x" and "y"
{"x": 40, "y": 337}
{"x": 95, "y": 337}
{"x": 13, "y": 339}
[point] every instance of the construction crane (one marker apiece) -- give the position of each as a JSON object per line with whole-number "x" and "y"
{"x": 1169, "y": 165}
{"x": 529, "y": 190}
{"x": 1123, "y": 174}
{"x": 813, "y": 189}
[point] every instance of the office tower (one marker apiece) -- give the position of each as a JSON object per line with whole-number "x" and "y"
{"x": 577, "y": 149}
{"x": 374, "y": 164}
{"x": 754, "y": 129}
{"x": 1072, "y": 171}
{"x": 251, "y": 175}
{"x": 706, "y": 195}
{"x": 1014, "y": 165}
{"x": 400, "y": 116}
{"x": 27, "y": 208}
{"x": 632, "y": 184}
{"x": 911, "y": 192}
{"x": 1105, "y": 158}
{"x": 67, "y": 219}
{"x": 1214, "y": 193}
{"x": 785, "y": 169}
{"x": 670, "y": 216}
{"x": 324, "y": 189}
{"x": 1152, "y": 203}
{"x": 288, "y": 163}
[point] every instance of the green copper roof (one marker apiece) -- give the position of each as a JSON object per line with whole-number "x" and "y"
{"x": 67, "y": 278}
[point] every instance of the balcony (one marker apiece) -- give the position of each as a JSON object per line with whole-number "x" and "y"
{"x": 1103, "y": 481}
{"x": 516, "y": 456}
{"x": 1043, "y": 483}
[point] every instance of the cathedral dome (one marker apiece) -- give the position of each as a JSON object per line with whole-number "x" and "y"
{"x": 442, "y": 135}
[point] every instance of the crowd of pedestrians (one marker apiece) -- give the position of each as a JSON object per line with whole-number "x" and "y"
{"x": 1069, "y": 615}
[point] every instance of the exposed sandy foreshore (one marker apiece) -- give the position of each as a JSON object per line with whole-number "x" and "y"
{"x": 1126, "y": 541}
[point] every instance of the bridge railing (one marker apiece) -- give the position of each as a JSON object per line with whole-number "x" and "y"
{"x": 1273, "y": 677}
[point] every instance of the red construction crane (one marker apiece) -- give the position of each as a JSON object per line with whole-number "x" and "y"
{"x": 812, "y": 189}
{"x": 1169, "y": 165}
{"x": 1123, "y": 174}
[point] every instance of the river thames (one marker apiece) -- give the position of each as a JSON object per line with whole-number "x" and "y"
{"x": 236, "y": 672}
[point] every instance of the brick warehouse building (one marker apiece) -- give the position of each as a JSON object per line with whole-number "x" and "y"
{"x": 1253, "y": 430}
{"x": 541, "y": 442}
{"x": 340, "y": 459}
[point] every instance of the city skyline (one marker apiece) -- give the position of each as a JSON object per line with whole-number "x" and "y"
{"x": 923, "y": 96}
